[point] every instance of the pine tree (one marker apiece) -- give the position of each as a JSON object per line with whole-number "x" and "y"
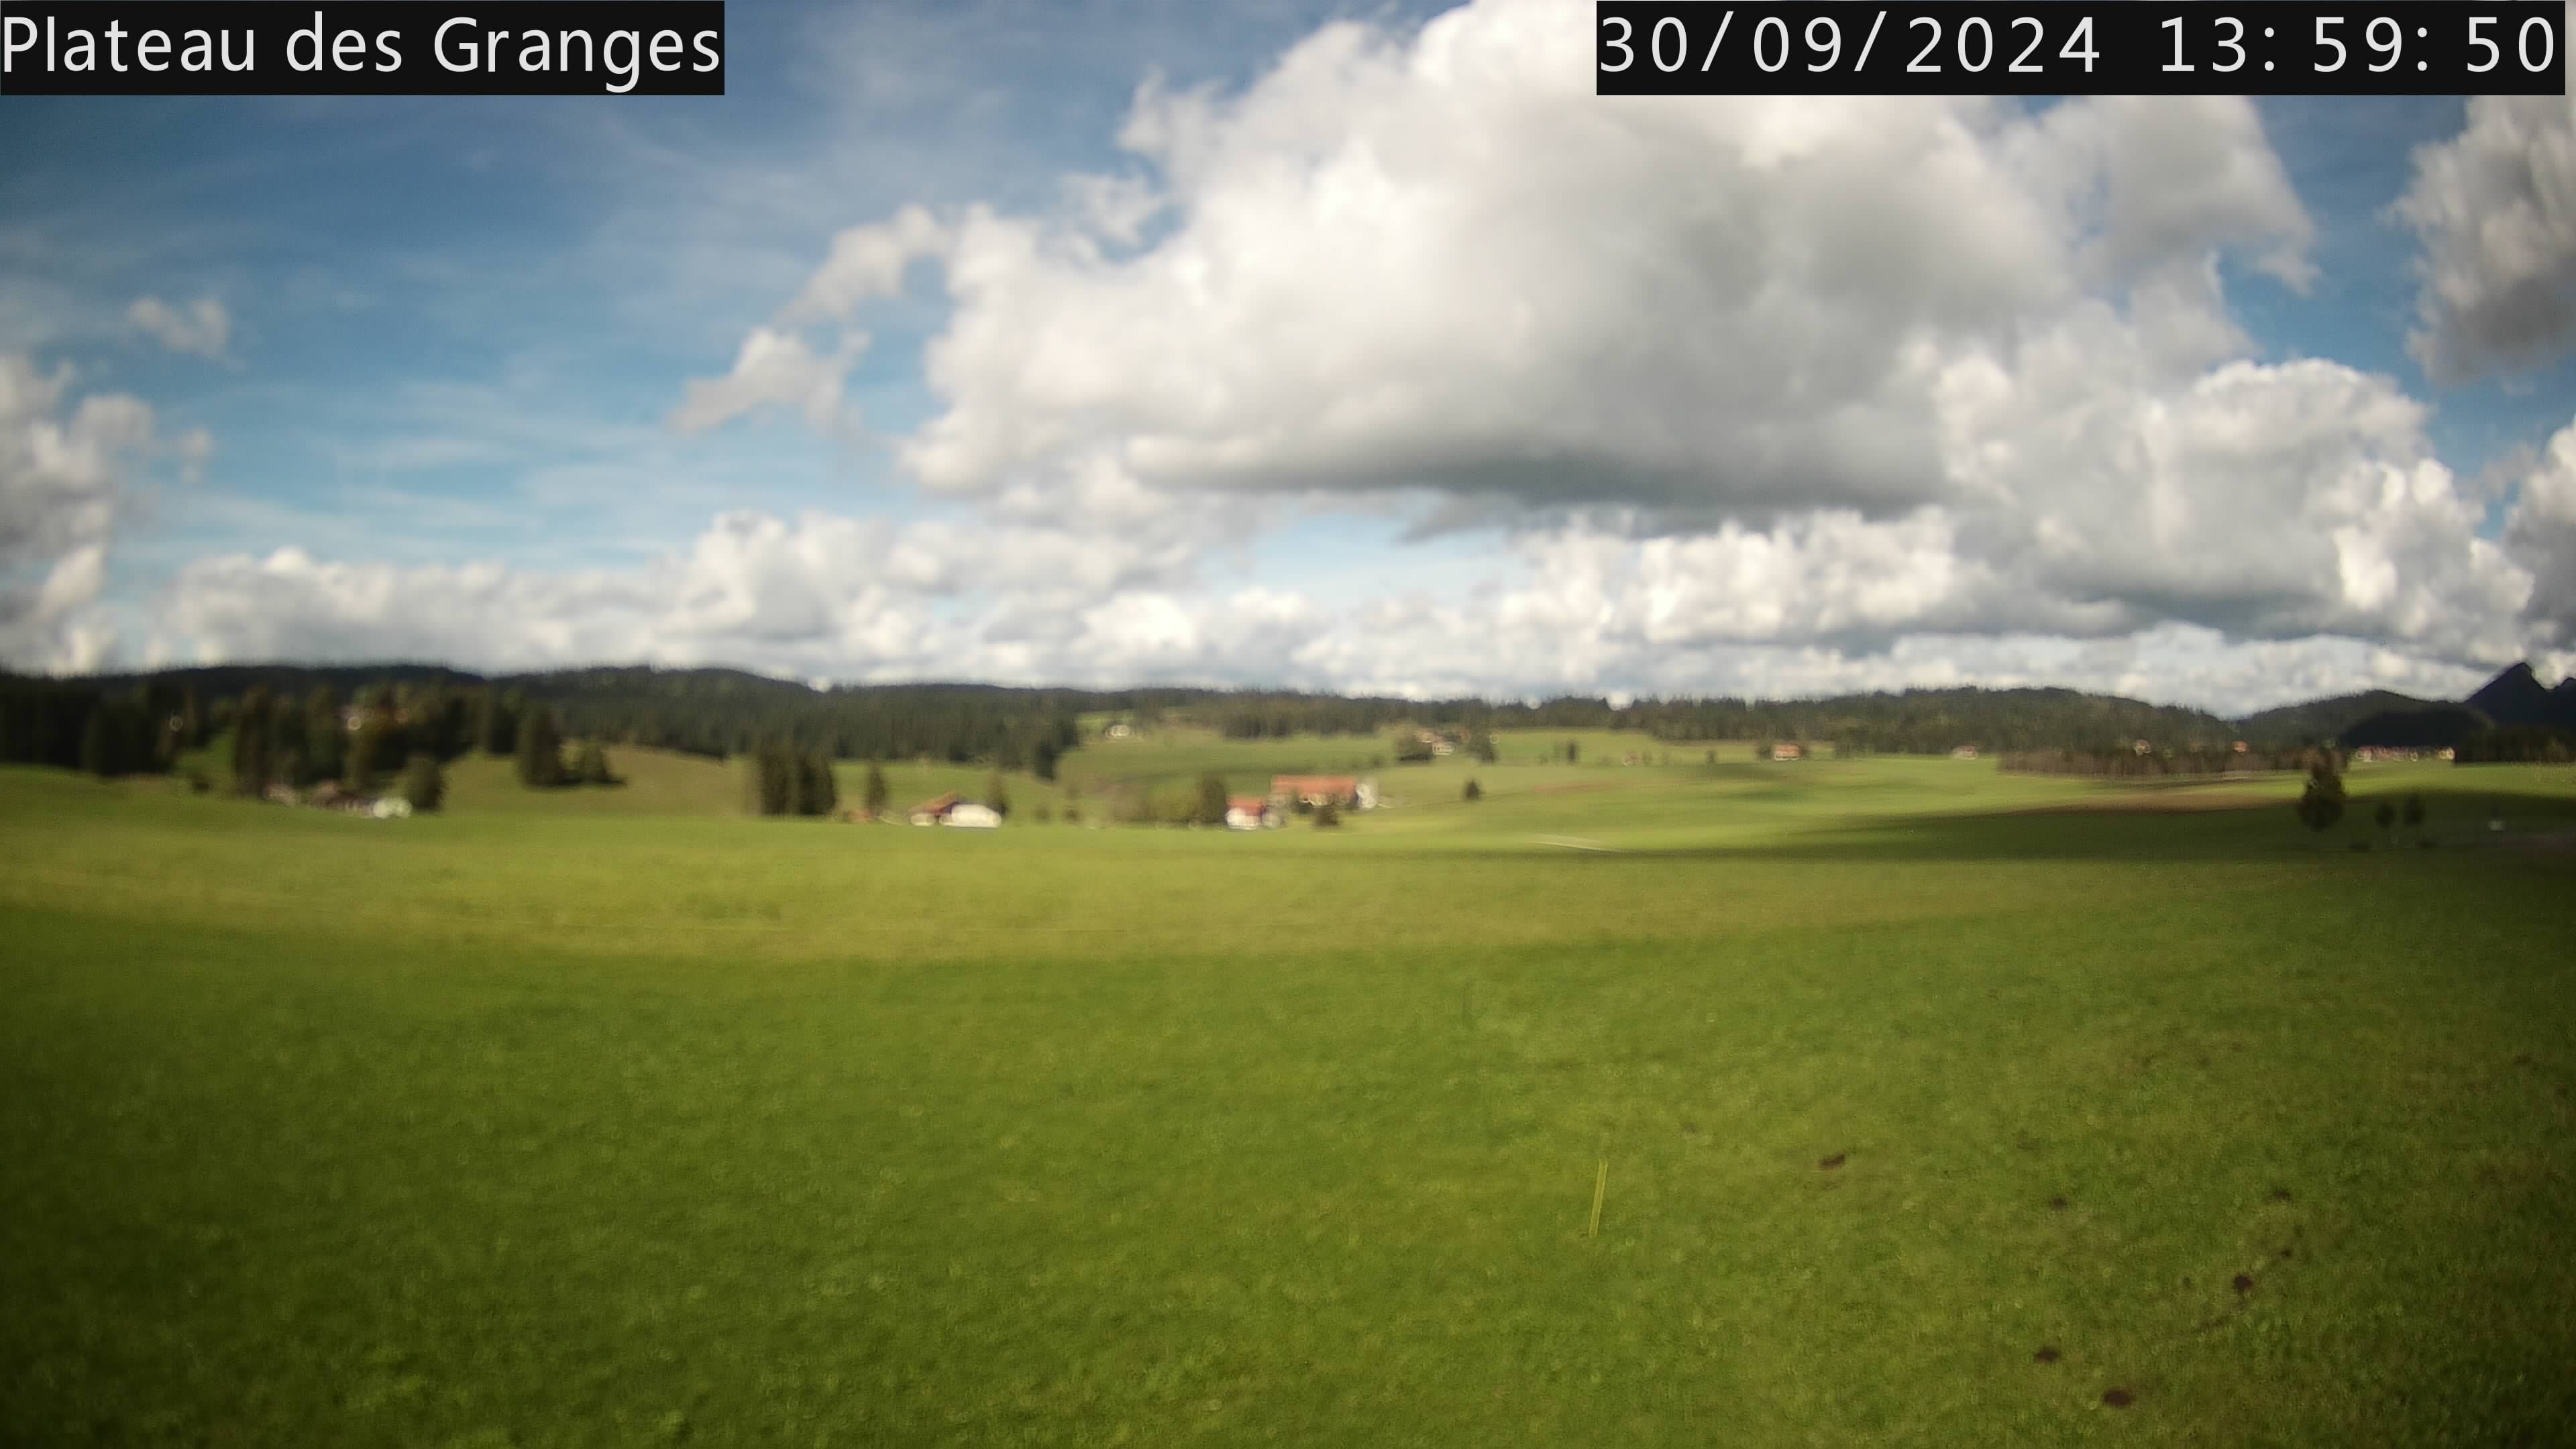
{"x": 817, "y": 793}
{"x": 877, "y": 791}
{"x": 1211, "y": 809}
{"x": 1044, "y": 756}
{"x": 424, "y": 783}
{"x": 592, "y": 769}
{"x": 777, "y": 779}
{"x": 326, "y": 739}
{"x": 367, "y": 744}
{"x": 251, "y": 761}
{"x": 2321, "y": 803}
{"x": 1474, "y": 791}
{"x": 996, "y": 797}
{"x": 540, "y": 750}
{"x": 491, "y": 723}
{"x": 98, "y": 751}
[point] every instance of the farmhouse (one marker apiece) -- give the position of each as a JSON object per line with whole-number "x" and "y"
{"x": 955, "y": 809}
{"x": 1964, "y": 752}
{"x": 1248, "y": 812}
{"x": 1346, "y": 791}
{"x": 1787, "y": 752}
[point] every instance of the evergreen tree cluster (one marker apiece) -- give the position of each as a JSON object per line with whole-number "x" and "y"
{"x": 399, "y": 710}
{"x": 2321, "y": 803}
{"x": 2123, "y": 762}
{"x": 784, "y": 780}
{"x": 2517, "y": 744}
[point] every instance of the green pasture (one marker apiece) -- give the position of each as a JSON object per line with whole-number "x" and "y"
{"x": 1936, "y": 1105}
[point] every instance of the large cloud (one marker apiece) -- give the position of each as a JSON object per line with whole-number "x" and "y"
{"x": 67, "y": 473}
{"x": 1765, "y": 370}
{"x": 819, "y": 594}
{"x": 2496, "y": 210}
{"x": 863, "y": 599}
{"x": 2541, "y": 531}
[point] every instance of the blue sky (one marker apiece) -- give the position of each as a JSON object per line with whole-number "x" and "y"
{"x": 457, "y": 335}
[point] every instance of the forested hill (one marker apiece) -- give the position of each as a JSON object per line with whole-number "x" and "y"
{"x": 717, "y": 711}
{"x": 2326, "y": 719}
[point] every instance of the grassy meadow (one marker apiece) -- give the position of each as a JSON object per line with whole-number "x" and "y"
{"x": 1939, "y": 1106}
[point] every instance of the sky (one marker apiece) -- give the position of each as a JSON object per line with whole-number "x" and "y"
{"x": 1293, "y": 343}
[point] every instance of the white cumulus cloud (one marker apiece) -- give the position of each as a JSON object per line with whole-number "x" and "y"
{"x": 2495, "y": 208}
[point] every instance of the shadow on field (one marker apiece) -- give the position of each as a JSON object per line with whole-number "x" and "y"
{"x": 2134, "y": 827}
{"x": 2154, "y": 825}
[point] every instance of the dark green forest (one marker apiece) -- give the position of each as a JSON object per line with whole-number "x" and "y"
{"x": 350, "y": 721}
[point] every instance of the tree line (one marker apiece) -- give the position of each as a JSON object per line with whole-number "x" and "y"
{"x": 2125, "y": 763}
{"x": 122, "y": 724}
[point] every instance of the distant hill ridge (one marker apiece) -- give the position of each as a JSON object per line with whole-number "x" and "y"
{"x": 718, "y": 710}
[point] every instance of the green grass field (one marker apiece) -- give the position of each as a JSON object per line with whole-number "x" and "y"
{"x": 616, "y": 1117}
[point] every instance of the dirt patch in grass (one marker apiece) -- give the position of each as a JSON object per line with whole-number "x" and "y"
{"x": 2243, "y": 1283}
{"x": 2057, "y": 1204}
{"x": 2283, "y": 1254}
{"x": 1829, "y": 1163}
{"x": 2280, "y": 1194}
{"x": 2047, "y": 1354}
{"x": 2118, "y": 1398}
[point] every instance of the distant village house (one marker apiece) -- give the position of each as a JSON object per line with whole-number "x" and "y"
{"x": 957, "y": 810}
{"x": 1344, "y": 791}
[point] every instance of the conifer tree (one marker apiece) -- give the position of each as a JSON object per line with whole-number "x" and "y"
{"x": 996, "y": 797}
{"x": 424, "y": 782}
{"x": 251, "y": 762}
{"x": 492, "y": 734}
{"x": 593, "y": 766}
{"x": 98, "y": 752}
{"x": 817, "y": 793}
{"x": 366, "y": 745}
{"x": 877, "y": 791}
{"x": 1211, "y": 799}
{"x": 326, "y": 739}
{"x": 2321, "y": 803}
{"x": 540, "y": 750}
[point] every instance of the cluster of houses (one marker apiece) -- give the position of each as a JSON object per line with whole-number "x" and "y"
{"x": 1288, "y": 793}
{"x": 328, "y": 796}
{"x": 2389, "y": 754}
